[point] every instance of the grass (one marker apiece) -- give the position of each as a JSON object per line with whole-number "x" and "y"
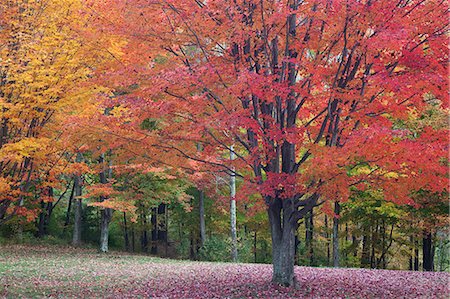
{"x": 41, "y": 271}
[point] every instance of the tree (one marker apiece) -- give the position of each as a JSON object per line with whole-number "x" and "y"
{"x": 306, "y": 90}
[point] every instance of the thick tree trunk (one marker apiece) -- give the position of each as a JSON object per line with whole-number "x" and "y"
{"x": 283, "y": 245}
{"x": 427, "y": 252}
{"x": 337, "y": 209}
{"x": 76, "y": 240}
{"x": 201, "y": 208}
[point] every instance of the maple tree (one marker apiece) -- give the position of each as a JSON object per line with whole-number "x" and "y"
{"x": 308, "y": 93}
{"x": 39, "y": 82}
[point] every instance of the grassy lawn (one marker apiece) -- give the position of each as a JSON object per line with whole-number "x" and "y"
{"x": 65, "y": 272}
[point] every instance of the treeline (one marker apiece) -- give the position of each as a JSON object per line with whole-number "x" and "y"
{"x": 368, "y": 232}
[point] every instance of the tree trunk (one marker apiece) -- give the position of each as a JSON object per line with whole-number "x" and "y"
{"x": 133, "y": 239}
{"x": 162, "y": 222}
{"x": 106, "y": 213}
{"x": 327, "y": 237}
{"x": 374, "y": 242}
{"x": 365, "y": 253}
{"x": 416, "y": 255}
{"x": 254, "y": 247}
{"x": 104, "y": 229}
{"x": 234, "y": 254}
{"x": 427, "y": 252}
{"x": 41, "y": 222}
{"x": 144, "y": 236}
{"x": 309, "y": 231}
{"x": 337, "y": 209}
{"x": 411, "y": 256}
{"x": 125, "y": 232}
{"x": 76, "y": 240}
{"x": 69, "y": 207}
{"x": 201, "y": 208}
{"x": 154, "y": 224}
{"x": 283, "y": 244}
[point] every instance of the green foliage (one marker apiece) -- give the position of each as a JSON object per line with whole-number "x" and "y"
{"x": 216, "y": 249}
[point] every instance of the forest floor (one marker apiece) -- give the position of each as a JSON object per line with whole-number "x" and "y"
{"x": 65, "y": 272}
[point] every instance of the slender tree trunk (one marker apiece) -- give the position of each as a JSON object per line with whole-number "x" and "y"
{"x": 201, "y": 208}
{"x": 192, "y": 253}
{"x": 76, "y": 240}
{"x": 125, "y": 232}
{"x": 234, "y": 254}
{"x": 337, "y": 209}
{"x": 154, "y": 223}
{"x": 327, "y": 237}
{"x": 162, "y": 223}
{"x": 309, "y": 230}
{"x": 41, "y": 221}
{"x": 106, "y": 213}
{"x": 416, "y": 255}
{"x": 383, "y": 244}
{"x": 254, "y": 247}
{"x": 69, "y": 207}
{"x": 133, "y": 239}
{"x": 144, "y": 234}
{"x": 411, "y": 256}
{"x": 365, "y": 253}
{"x": 427, "y": 252}
{"x": 374, "y": 242}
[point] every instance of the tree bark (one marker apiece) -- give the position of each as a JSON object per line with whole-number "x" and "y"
{"x": 125, "y": 232}
{"x": 416, "y": 255}
{"x": 234, "y": 253}
{"x": 254, "y": 246}
{"x": 427, "y": 252}
{"x": 283, "y": 244}
{"x": 76, "y": 240}
{"x": 337, "y": 209}
{"x": 365, "y": 253}
{"x": 154, "y": 224}
{"x": 201, "y": 208}
{"x": 144, "y": 235}
{"x": 106, "y": 213}
{"x": 327, "y": 237}
{"x": 309, "y": 231}
{"x": 69, "y": 207}
{"x": 104, "y": 229}
{"x": 411, "y": 256}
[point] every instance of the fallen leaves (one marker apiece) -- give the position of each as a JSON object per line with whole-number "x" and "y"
{"x": 65, "y": 272}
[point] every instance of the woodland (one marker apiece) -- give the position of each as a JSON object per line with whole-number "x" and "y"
{"x": 282, "y": 132}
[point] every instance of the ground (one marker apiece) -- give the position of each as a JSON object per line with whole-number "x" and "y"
{"x": 64, "y": 272}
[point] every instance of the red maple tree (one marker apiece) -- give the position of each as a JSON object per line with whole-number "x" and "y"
{"x": 312, "y": 95}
